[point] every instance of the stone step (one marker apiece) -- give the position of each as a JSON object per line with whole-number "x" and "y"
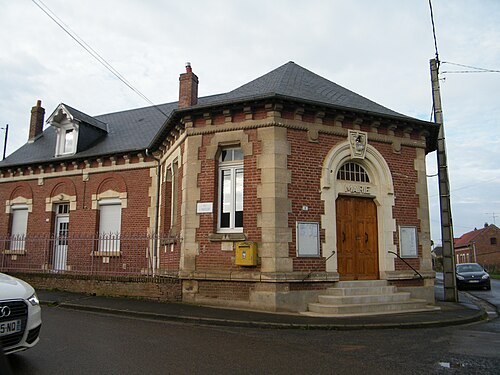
{"x": 361, "y": 283}
{"x": 364, "y": 299}
{"x": 360, "y": 291}
{"x": 367, "y": 308}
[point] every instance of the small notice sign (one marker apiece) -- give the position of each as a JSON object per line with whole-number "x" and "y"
{"x": 204, "y": 208}
{"x": 408, "y": 242}
{"x": 307, "y": 239}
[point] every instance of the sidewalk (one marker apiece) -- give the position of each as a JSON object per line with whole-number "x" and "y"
{"x": 449, "y": 314}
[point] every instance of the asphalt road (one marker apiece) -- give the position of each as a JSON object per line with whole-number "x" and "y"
{"x": 77, "y": 342}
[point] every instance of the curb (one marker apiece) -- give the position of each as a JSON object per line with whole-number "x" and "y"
{"x": 480, "y": 315}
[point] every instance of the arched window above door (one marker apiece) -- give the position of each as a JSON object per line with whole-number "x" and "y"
{"x": 351, "y": 171}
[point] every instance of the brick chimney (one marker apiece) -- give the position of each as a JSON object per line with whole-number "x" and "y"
{"x": 188, "y": 88}
{"x": 36, "y": 123}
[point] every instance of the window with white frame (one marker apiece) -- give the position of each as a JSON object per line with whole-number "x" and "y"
{"x": 66, "y": 140}
{"x": 19, "y": 227}
{"x": 230, "y": 218}
{"x": 110, "y": 217}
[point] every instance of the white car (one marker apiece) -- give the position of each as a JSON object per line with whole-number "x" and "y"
{"x": 20, "y": 315}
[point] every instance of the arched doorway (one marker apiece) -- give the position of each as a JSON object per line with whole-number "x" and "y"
{"x": 357, "y": 238}
{"x": 358, "y": 195}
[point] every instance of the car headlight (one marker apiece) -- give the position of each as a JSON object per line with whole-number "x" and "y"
{"x": 460, "y": 277}
{"x": 485, "y": 276}
{"x": 34, "y": 300}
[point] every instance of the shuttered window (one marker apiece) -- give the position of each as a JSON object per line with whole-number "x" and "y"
{"x": 110, "y": 218}
{"x": 19, "y": 227}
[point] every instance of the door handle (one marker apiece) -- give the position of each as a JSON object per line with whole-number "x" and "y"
{"x": 343, "y": 236}
{"x": 366, "y": 237}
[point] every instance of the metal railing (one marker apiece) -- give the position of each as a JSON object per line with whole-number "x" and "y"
{"x": 109, "y": 254}
{"x": 317, "y": 267}
{"x": 408, "y": 264}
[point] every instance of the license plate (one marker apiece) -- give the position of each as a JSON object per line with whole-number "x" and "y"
{"x": 473, "y": 281}
{"x": 8, "y": 328}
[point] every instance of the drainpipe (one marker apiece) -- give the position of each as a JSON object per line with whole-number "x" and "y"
{"x": 157, "y": 210}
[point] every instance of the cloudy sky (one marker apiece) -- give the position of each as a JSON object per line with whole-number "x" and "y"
{"x": 379, "y": 49}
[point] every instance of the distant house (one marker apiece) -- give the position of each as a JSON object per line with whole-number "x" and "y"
{"x": 437, "y": 258}
{"x": 259, "y": 197}
{"x": 480, "y": 246}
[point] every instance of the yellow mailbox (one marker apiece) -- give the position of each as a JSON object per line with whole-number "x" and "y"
{"x": 246, "y": 254}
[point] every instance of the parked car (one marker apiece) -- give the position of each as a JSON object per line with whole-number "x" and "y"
{"x": 20, "y": 315}
{"x": 472, "y": 275}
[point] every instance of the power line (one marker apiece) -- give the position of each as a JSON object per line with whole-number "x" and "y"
{"x": 476, "y": 69}
{"x": 434, "y": 33}
{"x": 92, "y": 52}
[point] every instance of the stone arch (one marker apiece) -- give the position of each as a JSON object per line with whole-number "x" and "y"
{"x": 114, "y": 183}
{"x": 21, "y": 190}
{"x": 62, "y": 192}
{"x": 112, "y": 187}
{"x": 66, "y": 186}
{"x": 381, "y": 190}
{"x": 20, "y": 194}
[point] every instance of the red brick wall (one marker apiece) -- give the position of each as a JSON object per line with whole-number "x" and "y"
{"x": 211, "y": 257}
{"x": 162, "y": 289}
{"x": 83, "y": 222}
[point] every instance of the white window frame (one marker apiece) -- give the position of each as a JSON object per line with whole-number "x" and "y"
{"x": 233, "y": 167}
{"x": 109, "y": 241}
{"x": 62, "y": 133}
{"x": 19, "y": 227}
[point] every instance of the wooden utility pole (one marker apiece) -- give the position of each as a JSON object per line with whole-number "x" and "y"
{"x": 450, "y": 283}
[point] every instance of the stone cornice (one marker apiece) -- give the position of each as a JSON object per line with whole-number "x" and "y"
{"x": 300, "y": 125}
{"x": 79, "y": 172}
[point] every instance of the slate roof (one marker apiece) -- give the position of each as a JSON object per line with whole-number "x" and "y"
{"x": 295, "y": 82}
{"x": 84, "y": 118}
{"x": 137, "y": 129}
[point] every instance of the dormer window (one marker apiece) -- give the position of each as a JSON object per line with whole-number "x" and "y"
{"x": 76, "y": 131}
{"x": 66, "y": 139}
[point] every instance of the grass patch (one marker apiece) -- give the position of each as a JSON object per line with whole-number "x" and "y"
{"x": 495, "y": 275}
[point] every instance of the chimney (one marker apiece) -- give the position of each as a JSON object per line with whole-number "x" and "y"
{"x": 188, "y": 88}
{"x": 36, "y": 123}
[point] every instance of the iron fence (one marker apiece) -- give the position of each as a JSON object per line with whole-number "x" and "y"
{"x": 109, "y": 254}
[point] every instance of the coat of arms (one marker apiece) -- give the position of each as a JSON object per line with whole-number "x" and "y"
{"x": 358, "y": 141}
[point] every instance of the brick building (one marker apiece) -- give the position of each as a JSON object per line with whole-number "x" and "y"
{"x": 479, "y": 246}
{"x": 260, "y": 197}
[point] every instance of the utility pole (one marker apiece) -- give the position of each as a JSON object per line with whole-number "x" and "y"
{"x": 5, "y": 140}
{"x": 450, "y": 283}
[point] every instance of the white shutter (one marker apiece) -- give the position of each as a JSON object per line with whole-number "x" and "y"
{"x": 110, "y": 225}
{"x": 19, "y": 221}
{"x": 19, "y": 227}
{"x": 110, "y": 219}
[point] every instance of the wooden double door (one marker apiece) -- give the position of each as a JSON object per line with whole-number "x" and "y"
{"x": 357, "y": 238}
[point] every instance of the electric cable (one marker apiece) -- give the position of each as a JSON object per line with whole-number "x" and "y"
{"x": 93, "y": 53}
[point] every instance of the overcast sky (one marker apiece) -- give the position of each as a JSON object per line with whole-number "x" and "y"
{"x": 379, "y": 49}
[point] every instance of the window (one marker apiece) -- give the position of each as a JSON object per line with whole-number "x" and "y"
{"x": 493, "y": 241}
{"x": 69, "y": 139}
{"x": 231, "y": 190}
{"x": 173, "y": 213}
{"x": 19, "y": 227}
{"x": 110, "y": 217}
{"x": 352, "y": 172}
{"x": 66, "y": 140}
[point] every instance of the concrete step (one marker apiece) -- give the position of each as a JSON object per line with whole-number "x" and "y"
{"x": 360, "y": 291}
{"x": 360, "y": 297}
{"x": 364, "y": 299}
{"x": 361, "y": 283}
{"x": 368, "y": 308}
